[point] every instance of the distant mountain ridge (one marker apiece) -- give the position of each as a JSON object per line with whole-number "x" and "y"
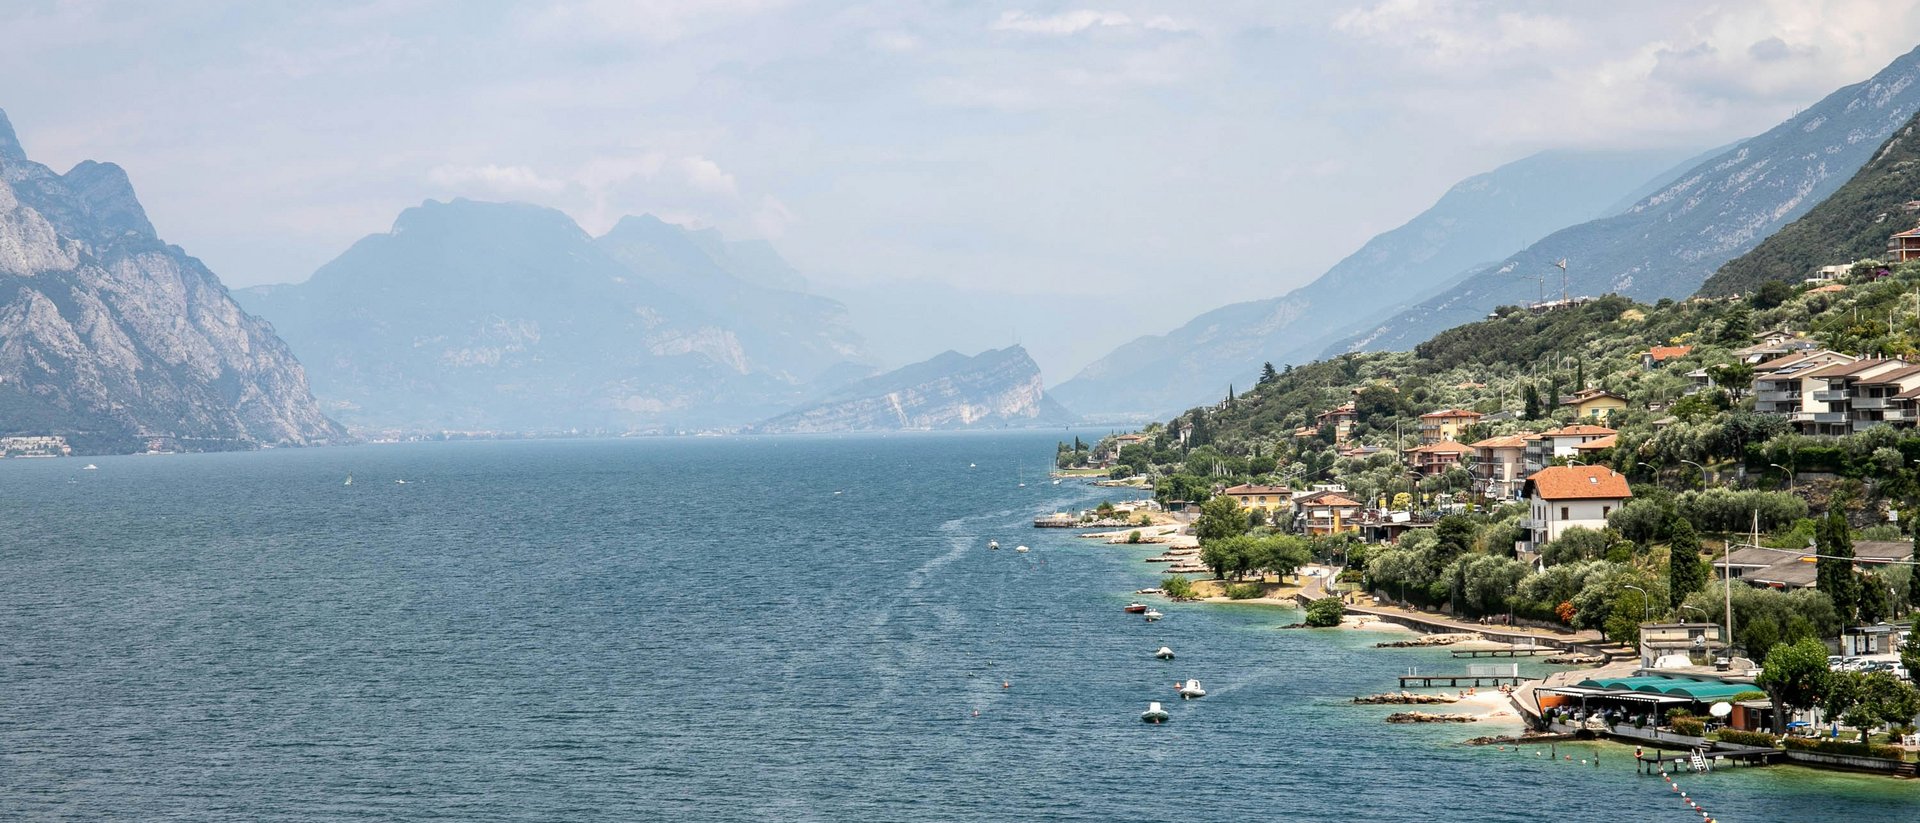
{"x": 1851, "y": 224}
{"x": 994, "y": 389}
{"x": 117, "y": 341}
{"x": 507, "y": 316}
{"x": 1473, "y": 222}
{"x": 1670, "y": 242}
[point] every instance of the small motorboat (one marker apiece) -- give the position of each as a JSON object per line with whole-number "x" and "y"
{"x": 993, "y": 544}
{"x": 1190, "y": 689}
{"x": 1154, "y": 714}
{"x": 1152, "y": 615}
{"x": 1135, "y": 608}
{"x": 1022, "y": 549}
{"x": 1164, "y": 653}
{"x": 89, "y": 468}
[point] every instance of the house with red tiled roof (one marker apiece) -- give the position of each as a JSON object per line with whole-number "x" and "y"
{"x": 1341, "y": 418}
{"x": 1542, "y": 448}
{"x": 1659, "y": 355}
{"x": 1904, "y": 246}
{"x": 1563, "y": 497}
{"x": 1267, "y": 498}
{"x": 1829, "y": 288}
{"x": 1594, "y": 404}
{"x": 1446, "y": 424}
{"x": 1327, "y": 512}
{"x": 1498, "y": 466}
{"x": 1434, "y": 458}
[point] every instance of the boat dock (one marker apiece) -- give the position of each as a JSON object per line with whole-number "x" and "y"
{"x": 1657, "y": 762}
{"x": 1481, "y": 675}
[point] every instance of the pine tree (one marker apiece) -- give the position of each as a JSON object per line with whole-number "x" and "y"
{"x": 1686, "y": 574}
{"x": 1579, "y": 374}
{"x": 1267, "y": 374}
{"x": 1834, "y": 568}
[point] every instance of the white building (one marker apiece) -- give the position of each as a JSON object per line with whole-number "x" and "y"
{"x": 1562, "y": 497}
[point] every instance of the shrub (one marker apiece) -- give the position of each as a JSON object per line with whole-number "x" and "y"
{"x": 1244, "y": 591}
{"x": 1688, "y": 726}
{"x": 1177, "y": 586}
{"x": 1846, "y": 748}
{"x": 1133, "y": 536}
{"x": 1325, "y": 612}
{"x": 1740, "y": 738}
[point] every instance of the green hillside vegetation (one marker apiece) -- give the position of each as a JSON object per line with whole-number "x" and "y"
{"x": 1519, "y": 361}
{"x": 1851, "y": 225}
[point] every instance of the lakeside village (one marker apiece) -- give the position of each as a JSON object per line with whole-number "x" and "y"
{"x": 1709, "y": 504}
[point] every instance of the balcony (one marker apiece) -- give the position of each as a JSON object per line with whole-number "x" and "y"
{"x": 1821, "y": 417}
{"x": 1830, "y": 395}
{"x": 1776, "y": 397}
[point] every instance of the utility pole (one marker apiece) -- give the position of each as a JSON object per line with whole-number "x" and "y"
{"x": 1562, "y": 263}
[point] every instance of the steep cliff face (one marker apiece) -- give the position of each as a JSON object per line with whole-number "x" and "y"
{"x": 1667, "y": 244}
{"x": 507, "y": 316}
{"x": 110, "y": 337}
{"x": 994, "y": 389}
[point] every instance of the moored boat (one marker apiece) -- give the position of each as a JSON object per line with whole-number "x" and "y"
{"x": 1154, "y": 714}
{"x": 993, "y": 544}
{"x": 1152, "y": 615}
{"x": 1022, "y": 549}
{"x": 1135, "y": 608}
{"x": 1164, "y": 653}
{"x": 1190, "y": 689}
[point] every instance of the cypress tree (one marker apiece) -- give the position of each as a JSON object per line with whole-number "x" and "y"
{"x": 1533, "y": 403}
{"x": 1686, "y": 574}
{"x": 1834, "y": 569}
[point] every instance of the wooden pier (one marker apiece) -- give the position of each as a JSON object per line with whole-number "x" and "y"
{"x": 1520, "y": 651}
{"x": 1486, "y": 674}
{"x": 1657, "y": 762}
{"x": 1427, "y": 681}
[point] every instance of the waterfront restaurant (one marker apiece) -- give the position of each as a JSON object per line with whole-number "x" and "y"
{"x": 1643, "y": 700}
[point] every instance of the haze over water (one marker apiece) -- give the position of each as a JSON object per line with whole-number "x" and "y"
{"x": 698, "y": 629}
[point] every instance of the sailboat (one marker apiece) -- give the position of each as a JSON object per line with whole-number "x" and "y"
{"x": 349, "y": 479}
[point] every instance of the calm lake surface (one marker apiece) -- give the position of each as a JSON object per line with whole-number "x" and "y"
{"x": 700, "y": 629}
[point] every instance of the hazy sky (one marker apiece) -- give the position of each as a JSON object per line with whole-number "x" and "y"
{"x": 1193, "y": 153}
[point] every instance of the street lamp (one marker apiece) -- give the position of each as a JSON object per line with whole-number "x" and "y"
{"x": 1703, "y": 473}
{"x": 1646, "y": 600}
{"x": 1703, "y": 612}
{"x": 1789, "y": 474}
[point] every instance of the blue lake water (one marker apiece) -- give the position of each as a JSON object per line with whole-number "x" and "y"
{"x": 699, "y": 629}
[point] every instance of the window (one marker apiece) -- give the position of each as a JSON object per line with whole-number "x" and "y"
{"x": 1606, "y": 510}
{"x": 1563, "y": 513}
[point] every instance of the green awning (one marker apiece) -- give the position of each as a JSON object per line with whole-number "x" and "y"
{"x": 1701, "y": 689}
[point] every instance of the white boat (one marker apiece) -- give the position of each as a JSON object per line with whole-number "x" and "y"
{"x": 1021, "y": 549}
{"x": 1164, "y": 653}
{"x": 993, "y": 544}
{"x": 1191, "y": 689}
{"x": 89, "y": 468}
{"x": 349, "y": 480}
{"x": 400, "y": 482}
{"x": 1056, "y": 482}
{"x": 1154, "y": 714}
{"x": 1152, "y": 615}
{"x": 969, "y": 465}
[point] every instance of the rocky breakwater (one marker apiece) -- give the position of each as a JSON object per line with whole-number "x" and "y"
{"x": 1427, "y": 717}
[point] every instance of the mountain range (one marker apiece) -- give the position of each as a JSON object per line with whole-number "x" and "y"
{"x": 1475, "y": 221}
{"x": 117, "y": 341}
{"x": 1667, "y": 244}
{"x": 1851, "y": 224}
{"x": 506, "y": 316}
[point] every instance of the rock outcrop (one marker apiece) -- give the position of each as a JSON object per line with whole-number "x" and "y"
{"x": 994, "y": 389}
{"x": 119, "y": 342}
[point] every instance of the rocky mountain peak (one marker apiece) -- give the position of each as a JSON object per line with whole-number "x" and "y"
{"x": 106, "y": 193}
{"x": 9, "y": 144}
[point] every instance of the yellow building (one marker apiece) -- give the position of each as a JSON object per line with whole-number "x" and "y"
{"x": 1447, "y": 424}
{"x": 1269, "y": 498}
{"x": 1594, "y": 404}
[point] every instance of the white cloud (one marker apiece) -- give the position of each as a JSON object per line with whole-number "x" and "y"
{"x": 1062, "y": 24}
{"x": 502, "y": 179}
{"x": 772, "y": 218}
{"x": 706, "y": 175}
